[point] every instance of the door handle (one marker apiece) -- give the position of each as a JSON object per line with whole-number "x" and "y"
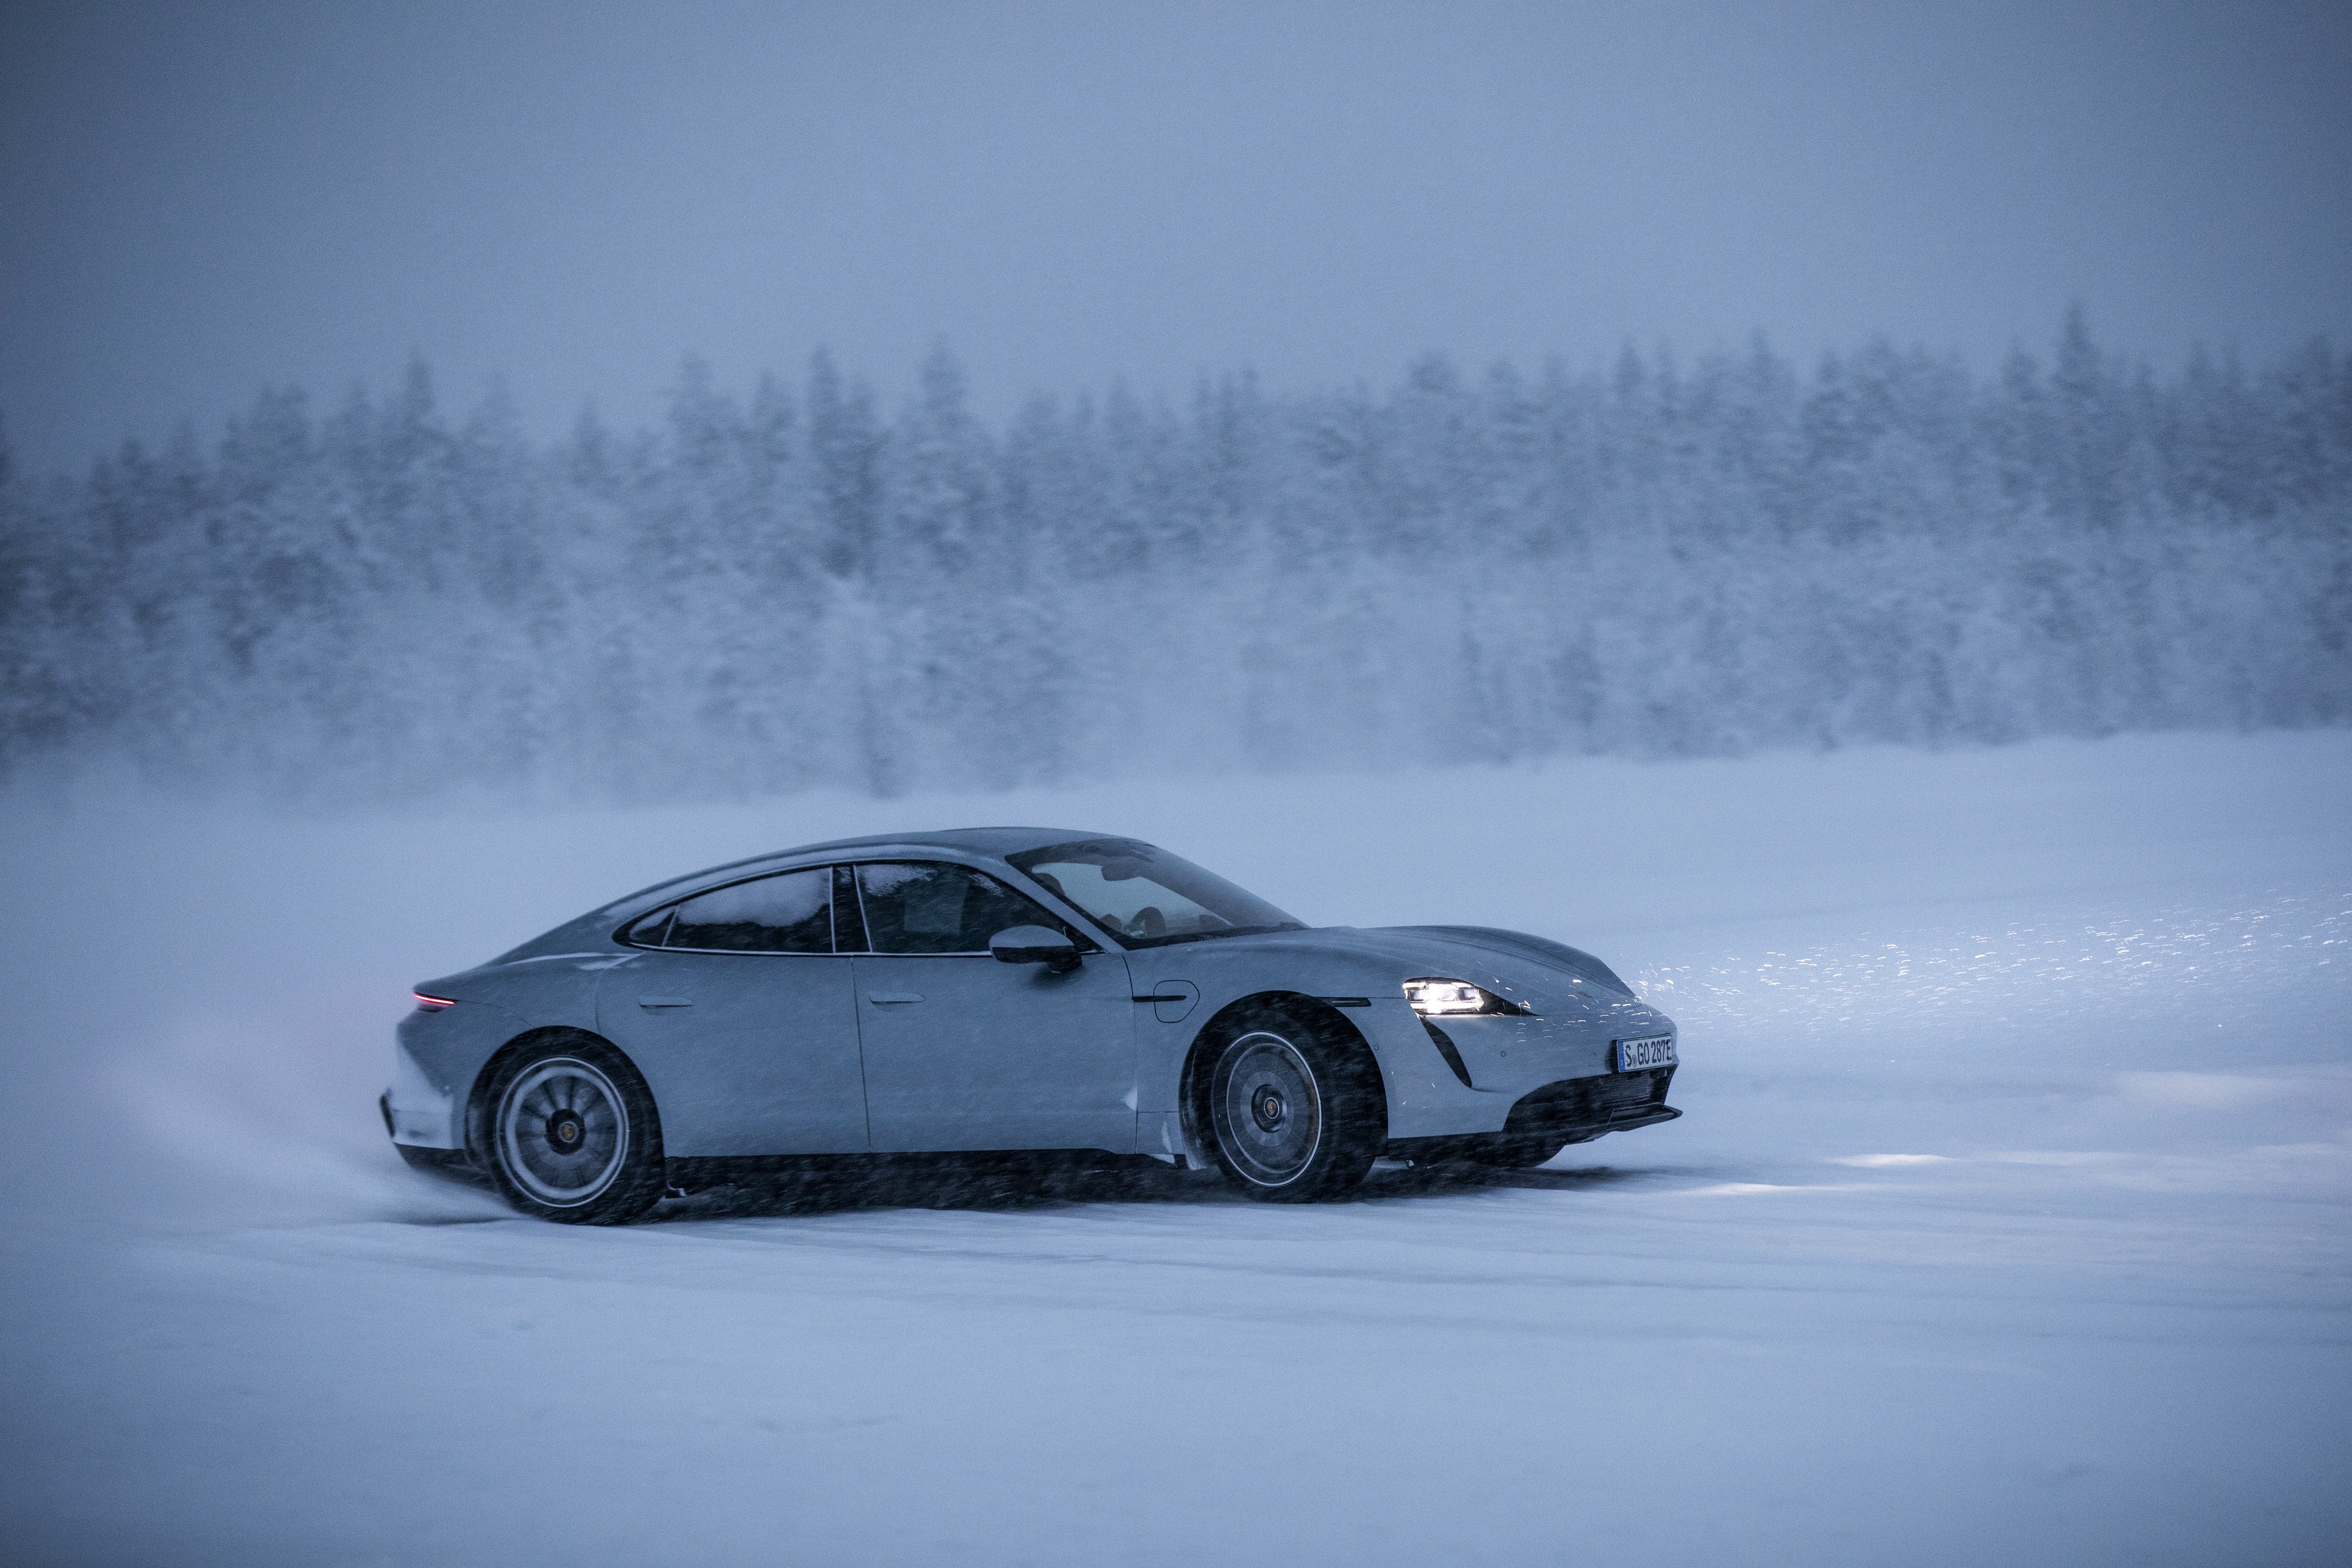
{"x": 651, "y": 1002}
{"x": 886, "y": 999}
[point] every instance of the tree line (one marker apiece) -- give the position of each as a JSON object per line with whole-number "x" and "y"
{"x": 795, "y": 587}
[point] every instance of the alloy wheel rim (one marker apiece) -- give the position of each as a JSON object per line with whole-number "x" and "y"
{"x": 1268, "y": 1109}
{"x": 563, "y": 1131}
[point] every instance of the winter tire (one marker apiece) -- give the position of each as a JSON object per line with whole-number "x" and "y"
{"x": 573, "y": 1135}
{"x": 1294, "y": 1110}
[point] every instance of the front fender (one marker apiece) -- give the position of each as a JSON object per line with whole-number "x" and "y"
{"x": 1425, "y": 1096}
{"x": 1361, "y": 974}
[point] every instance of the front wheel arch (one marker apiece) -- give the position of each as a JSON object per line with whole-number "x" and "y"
{"x": 1369, "y": 1098}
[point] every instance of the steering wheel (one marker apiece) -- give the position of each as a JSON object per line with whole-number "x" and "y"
{"x": 1150, "y": 922}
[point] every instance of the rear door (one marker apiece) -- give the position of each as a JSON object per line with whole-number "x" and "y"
{"x": 739, "y": 1015}
{"x": 964, "y": 1053}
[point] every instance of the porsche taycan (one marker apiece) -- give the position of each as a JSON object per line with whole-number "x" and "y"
{"x": 1002, "y": 990}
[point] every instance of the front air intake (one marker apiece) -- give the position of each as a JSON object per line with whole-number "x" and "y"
{"x": 1578, "y": 1108}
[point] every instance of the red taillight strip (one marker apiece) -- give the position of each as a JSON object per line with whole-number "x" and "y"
{"x": 433, "y": 1004}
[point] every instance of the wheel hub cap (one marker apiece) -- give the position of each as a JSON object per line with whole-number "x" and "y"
{"x": 563, "y": 1132}
{"x": 1268, "y": 1109}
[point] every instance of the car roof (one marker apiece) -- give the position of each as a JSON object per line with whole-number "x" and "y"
{"x": 994, "y": 843}
{"x": 997, "y": 841}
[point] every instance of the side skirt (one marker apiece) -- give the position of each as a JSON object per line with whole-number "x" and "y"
{"x": 879, "y": 1177}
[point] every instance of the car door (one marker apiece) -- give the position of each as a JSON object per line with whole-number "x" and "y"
{"x": 738, "y": 1011}
{"x": 965, "y": 1052}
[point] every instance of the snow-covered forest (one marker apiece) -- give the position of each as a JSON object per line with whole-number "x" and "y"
{"x": 803, "y": 587}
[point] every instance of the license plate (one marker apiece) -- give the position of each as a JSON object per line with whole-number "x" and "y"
{"x": 1654, "y": 1050}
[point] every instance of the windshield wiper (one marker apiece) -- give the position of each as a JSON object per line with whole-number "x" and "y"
{"x": 1175, "y": 936}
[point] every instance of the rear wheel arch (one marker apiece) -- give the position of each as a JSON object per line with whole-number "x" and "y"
{"x": 478, "y": 1106}
{"x": 564, "y": 1127}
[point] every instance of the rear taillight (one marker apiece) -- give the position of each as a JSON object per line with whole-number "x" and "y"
{"x": 425, "y": 1004}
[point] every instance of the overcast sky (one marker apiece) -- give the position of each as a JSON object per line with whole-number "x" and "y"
{"x": 197, "y": 200}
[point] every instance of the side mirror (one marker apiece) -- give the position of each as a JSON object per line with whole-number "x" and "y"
{"x": 1035, "y": 944}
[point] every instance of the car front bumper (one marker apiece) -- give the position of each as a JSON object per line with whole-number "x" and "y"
{"x": 1573, "y": 1110}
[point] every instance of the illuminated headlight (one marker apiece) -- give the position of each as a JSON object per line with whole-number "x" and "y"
{"x": 1433, "y": 997}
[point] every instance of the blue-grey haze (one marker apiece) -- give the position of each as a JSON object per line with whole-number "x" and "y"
{"x": 803, "y": 587}
{"x": 201, "y": 198}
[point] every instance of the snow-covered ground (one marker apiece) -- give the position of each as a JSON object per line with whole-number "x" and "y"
{"x": 2010, "y": 1219}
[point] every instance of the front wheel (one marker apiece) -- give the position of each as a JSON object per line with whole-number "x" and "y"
{"x": 573, "y": 1137}
{"x": 1293, "y": 1112}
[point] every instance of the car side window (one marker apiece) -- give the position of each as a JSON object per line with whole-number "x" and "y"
{"x": 647, "y": 930}
{"x": 792, "y": 913}
{"x": 930, "y": 907}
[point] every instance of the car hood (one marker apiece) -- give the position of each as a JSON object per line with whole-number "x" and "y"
{"x": 1532, "y": 970}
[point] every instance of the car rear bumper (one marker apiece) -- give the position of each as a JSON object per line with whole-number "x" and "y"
{"x": 451, "y": 1164}
{"x": 417, "y": 1112}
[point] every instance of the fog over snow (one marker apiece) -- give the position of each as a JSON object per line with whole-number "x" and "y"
{"x": 797, "y": 587}
{"x": 2010, "y": 1219}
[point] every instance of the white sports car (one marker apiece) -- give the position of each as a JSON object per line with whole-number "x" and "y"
{"x": 1005, "y": 990}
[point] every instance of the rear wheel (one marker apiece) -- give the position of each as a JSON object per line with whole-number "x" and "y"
{"x": 573, "y": 1137}
{"x": 1294, "y": 1111}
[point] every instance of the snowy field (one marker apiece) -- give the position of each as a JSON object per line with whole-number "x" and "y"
{"x": 2009, "y": 1220}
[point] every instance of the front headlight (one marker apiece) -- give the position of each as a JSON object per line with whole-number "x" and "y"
{"x": 1451, "y": 999}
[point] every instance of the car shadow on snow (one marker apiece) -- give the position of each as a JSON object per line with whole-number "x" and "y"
{"x": 934, "y": 1181}
{"x": 979, "y": 1182}
{"x": 1463, "y": 1177}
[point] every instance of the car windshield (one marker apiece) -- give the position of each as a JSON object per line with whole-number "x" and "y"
{"x": 1147, "y": 897}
